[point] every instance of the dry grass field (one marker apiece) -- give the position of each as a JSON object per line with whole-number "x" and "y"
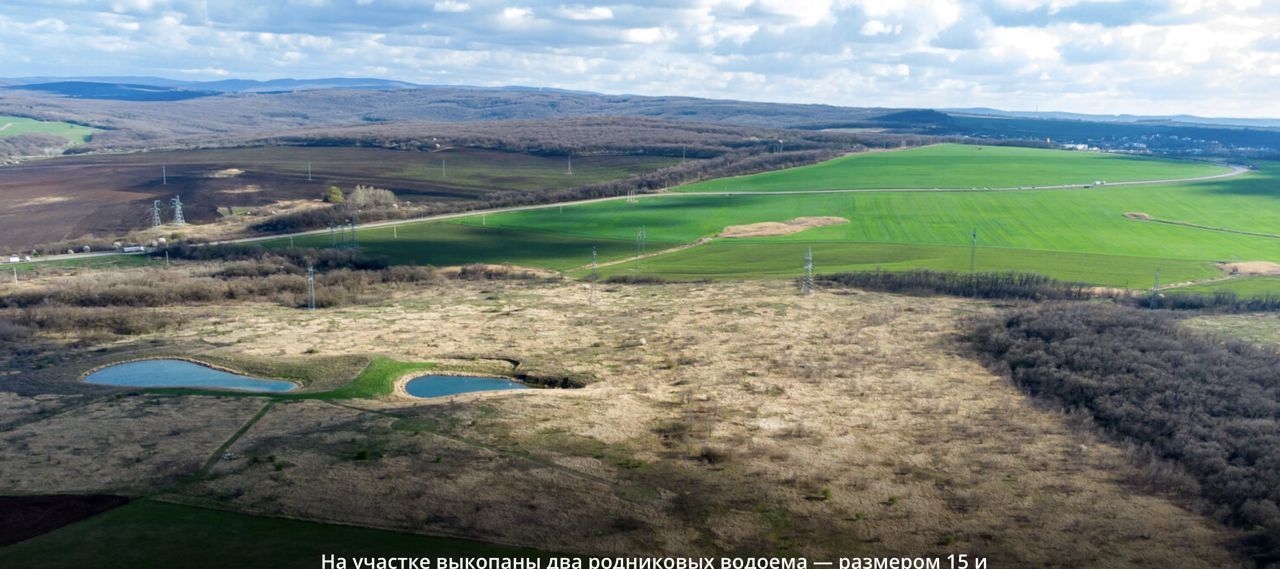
{"x": 723, "y": 418}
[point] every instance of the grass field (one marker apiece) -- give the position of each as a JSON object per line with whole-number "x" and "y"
{"x": 138, "y": 534}
{"x": 1075, "y": 234}
{"x": 1244, "y": 286}
{"x": 74, "y": 133}
{"x": 960, "y": 166}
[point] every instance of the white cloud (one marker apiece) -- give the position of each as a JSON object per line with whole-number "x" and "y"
{"x": 451, "y": 6}
{"x": 584, "y": 14}
{"x": 1148, "y": 56}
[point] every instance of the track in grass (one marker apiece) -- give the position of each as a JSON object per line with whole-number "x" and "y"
{"x": 1081, "y": 235}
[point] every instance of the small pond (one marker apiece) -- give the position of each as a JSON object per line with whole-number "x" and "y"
{"x": 445, "y": 385}
{"x": 178, "y": 373}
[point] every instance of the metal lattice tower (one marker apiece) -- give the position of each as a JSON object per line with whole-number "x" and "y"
{"x": 176, "y": 202}
{"x": 631, "y": 197}
{"x": 594, "y": 274}
{"x": 311, "y": 287}
{"x": 1155, "y": 291}
{"x": 332, "y": 239}
{"x": 807, "y": 282}
{"x": 640, "y": 237}
{"x": 155, "y": 214}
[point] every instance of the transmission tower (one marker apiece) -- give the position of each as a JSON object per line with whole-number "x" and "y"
{"x": 1155, "y": 292}
{"x": 311, "y": 287}
{"x": 570, "y": 171}
{"x": 332, "y": 239}
{"x": 640, "y": 237}
{"x": 155, "y": 214}
{"x": 806, "y": 282}
{"x": 176, "y": 202}
{"x": 594, "y": 275}
{"x": 354, "y": 221}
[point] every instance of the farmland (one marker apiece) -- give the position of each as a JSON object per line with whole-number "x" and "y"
{"x": 74, "y": 133}
{"x": 1109, "y": 235}
{"x": 48, "y": 201}
{"x": 960, "y": 166}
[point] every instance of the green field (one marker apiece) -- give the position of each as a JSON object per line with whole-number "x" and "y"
{"x": 1243, "y": 286}
{"x": 138, "y": 534}
{"x": 1076, "y": 234}
{"x": 74, "y": 133}
{"x": 960, "y": 166}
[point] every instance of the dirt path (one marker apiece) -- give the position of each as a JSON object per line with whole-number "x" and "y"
{"x": 5, "y": 126}
{"x": 702, "y": 241}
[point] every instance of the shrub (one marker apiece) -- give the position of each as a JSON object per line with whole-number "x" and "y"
{"x": 1211, "y": 407}
{"x": 333, "y": 195}
{"x": 365, "y": 197}
{"x": 1010, "y": 285}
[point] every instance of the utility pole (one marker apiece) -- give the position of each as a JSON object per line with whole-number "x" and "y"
{"x": 570, "y": 172}
{"x": 594, "y": 275}
{"x": 166, "y": 256}
{"x": 308, "y": 171}
{"x": 395, "y": 234}
{"x": 164, "y": 176}
{"x": 443, "y": 173}
{"x": 290, "y": 241}
{"x": 973, "y": 250}
{"x": 15, "y": 275}
{"x": 332, "y": 239}
{"x": 354, "y": 220}
{"x": 311, "y": 287}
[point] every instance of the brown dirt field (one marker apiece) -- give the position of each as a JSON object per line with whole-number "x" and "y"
{"x": 770, "y": 228}
{"x": 111, "y": 194}
{"x": 752, "y": 420}
{"x": 24, "y": 517}
{"x": 1251, "y": 268}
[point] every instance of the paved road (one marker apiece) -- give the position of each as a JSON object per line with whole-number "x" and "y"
{"x": 1235, "y": 171}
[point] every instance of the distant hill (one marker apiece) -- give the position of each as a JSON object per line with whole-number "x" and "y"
{"x": 115, "y": 91}
{"x": 1175, "y": 119}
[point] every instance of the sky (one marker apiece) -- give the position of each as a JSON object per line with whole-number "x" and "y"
{"x": 1205, "y": 57}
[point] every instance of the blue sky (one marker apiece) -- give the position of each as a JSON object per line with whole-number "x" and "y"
{"x": 1205, "y": 57}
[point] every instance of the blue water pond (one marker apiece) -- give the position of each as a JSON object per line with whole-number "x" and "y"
{"x": 445, "y": 385}
{"x": 178, "y": 373}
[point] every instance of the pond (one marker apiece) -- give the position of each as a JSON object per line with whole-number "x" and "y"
{"x": 179, "y": 373}
{"x": 445, "y": 385}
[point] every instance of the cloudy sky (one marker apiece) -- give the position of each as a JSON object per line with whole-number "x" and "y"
{"x": 1205, "y": 57}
